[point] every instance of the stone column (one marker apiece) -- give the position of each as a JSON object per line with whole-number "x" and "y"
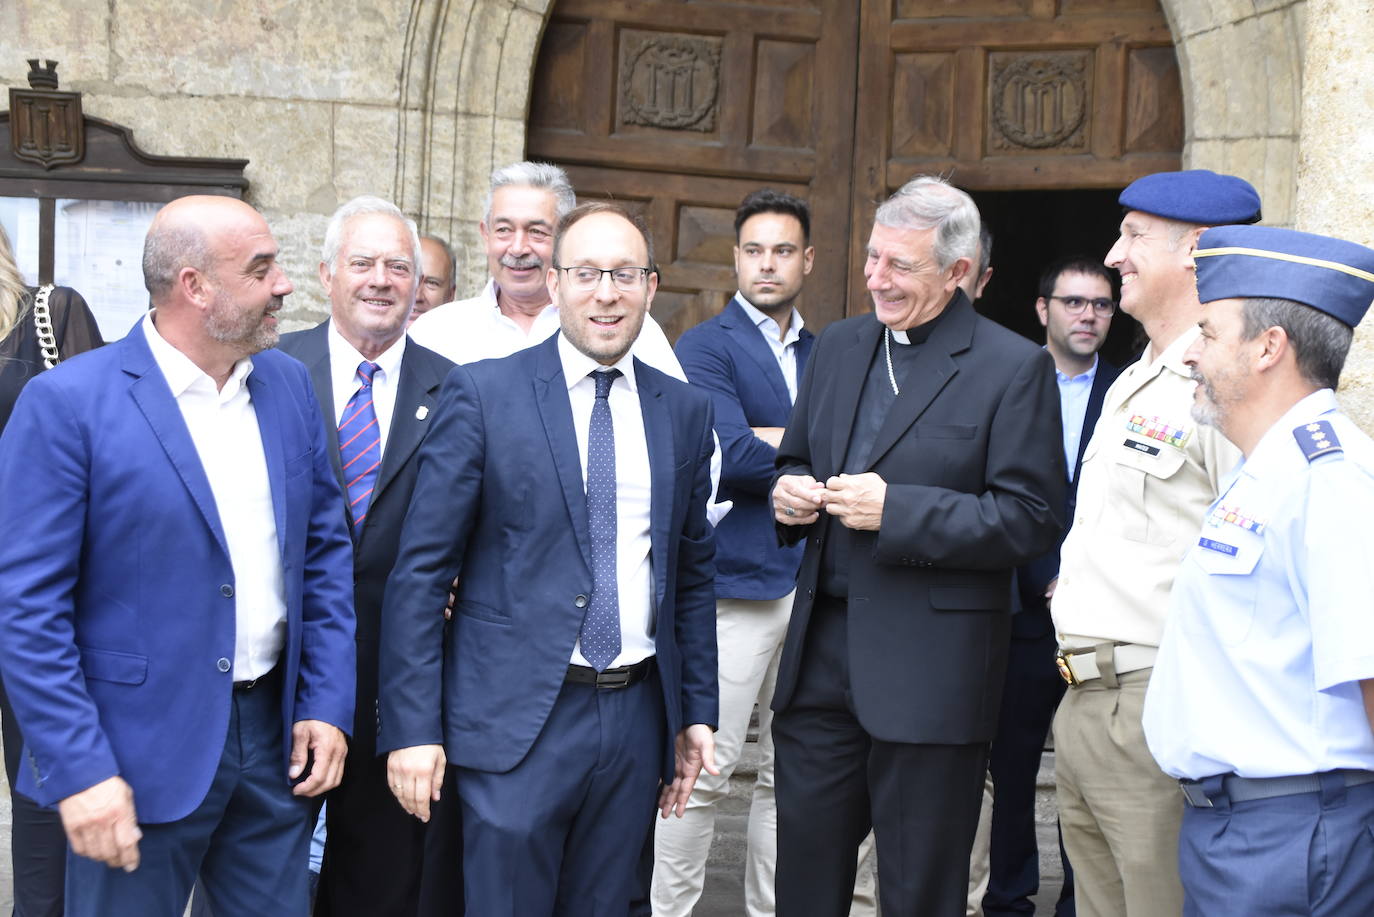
{"x": 1336, "y": 157}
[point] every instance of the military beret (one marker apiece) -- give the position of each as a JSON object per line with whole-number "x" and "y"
{"x": 1331, "y": 275}
{"x": 1195, "y": 196}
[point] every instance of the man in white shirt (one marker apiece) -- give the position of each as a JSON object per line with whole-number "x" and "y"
{"x": 515, "y": 310}
{"x": 370, "y": 270}
{"x": 176, "y": 616}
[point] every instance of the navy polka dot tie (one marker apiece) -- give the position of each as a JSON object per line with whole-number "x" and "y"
{"x": 601, "y": 626}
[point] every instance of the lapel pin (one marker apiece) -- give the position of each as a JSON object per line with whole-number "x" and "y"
{"x": 422, "y": 412}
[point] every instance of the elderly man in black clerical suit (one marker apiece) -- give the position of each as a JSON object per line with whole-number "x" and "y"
{"x": 922, "y": 463}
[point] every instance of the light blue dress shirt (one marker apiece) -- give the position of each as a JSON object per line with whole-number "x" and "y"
{"x": 1074, "y": 392}
{"x": 1271, "y": 623}
{"x": 784, "y": 348}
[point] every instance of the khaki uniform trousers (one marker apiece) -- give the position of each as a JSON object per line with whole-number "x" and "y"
{"x": 1119, "y": 813}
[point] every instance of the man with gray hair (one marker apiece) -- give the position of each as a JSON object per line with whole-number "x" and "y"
{"x": 377, "y": 390}
{"x": 921, "y": 465}
{"x": 515, "y": 310}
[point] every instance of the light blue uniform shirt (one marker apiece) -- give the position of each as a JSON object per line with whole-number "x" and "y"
{"x": 1271, "y": 623}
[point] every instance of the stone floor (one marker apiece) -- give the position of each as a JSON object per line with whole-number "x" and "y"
{"x": 724, "y": 892}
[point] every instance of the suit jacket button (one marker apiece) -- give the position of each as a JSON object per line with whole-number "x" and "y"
{"x": 580, "y": 601}
{"x": 224, "y": 664}
{"x": 227, "y": 591}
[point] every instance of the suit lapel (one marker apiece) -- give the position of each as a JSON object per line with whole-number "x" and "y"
{"x": 416, "y": 396}
{"x": 317, "y": 362}
{"x": 555, "y": 411}
{"x": 153, "y": 397}
{"x": 849, "y": 386}
{"x": 935, "y": 367}
{"x": 738, "y": 325}
{"x": 804, "y": 342}
{"x": 268, "y": 411}
{"x": 1102, "y": 381}
{"x": 658, "y": 433}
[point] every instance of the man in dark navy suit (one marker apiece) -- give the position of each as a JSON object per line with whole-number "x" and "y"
{"x": 565, "y": 488}
{"x": 370, "y": 269}
{"x": 1075, "y": 306}
{"x": 750, "y": 358}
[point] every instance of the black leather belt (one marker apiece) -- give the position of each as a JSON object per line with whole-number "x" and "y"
{"x": 619, "y": 677}
{"x": 260, "y": 681}
{"x": 1248, "y": 789}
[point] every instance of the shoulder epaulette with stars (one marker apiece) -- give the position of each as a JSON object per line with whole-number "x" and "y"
{"x": 1316, "y": 439}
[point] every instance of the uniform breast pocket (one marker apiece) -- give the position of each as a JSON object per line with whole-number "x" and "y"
{"x": 1143, "y": 470}
{"x": 1228, "y": 556}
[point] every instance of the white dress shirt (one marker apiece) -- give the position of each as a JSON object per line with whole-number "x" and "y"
{"x": 633, "y": 487}
{"x": 784, "y": 347}
{"x": 224, "y": 429}
{"x": 343, "y": 375}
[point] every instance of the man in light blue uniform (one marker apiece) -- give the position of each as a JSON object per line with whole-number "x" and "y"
{"x": 1263, "y": 690}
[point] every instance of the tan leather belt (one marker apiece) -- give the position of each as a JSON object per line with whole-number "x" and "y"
{"x": 1079, "y": 665}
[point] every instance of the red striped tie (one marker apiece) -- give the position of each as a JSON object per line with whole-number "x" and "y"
{"x": 360, "y": 446}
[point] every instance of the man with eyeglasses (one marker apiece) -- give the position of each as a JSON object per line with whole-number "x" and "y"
{"x": 1075, "y": 307}
{"x": 437, "y": 284}
{"x": 565, "y": 489}
{"x": 1147, "y": 477}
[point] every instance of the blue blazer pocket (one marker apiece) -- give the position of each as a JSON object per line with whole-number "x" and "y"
{"x": 108, "y": 665}
{"x": 947, "y": 430}
{"x": 483, "y": 613}
{"x": 299, "y": 465}
{"x": 970, "y": 598}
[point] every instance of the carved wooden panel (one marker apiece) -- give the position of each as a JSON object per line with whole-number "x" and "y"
{"x": 1039, "y": 101}
{"x": 784, "y": 93}
{"x": 923, "y": 104}
{"x": 669, "y": 81}
{"x": 1154, "y": 110}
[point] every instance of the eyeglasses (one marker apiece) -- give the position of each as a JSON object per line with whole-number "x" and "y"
{"x": 626, "y": 279}
{"x": 1074, "y": 305}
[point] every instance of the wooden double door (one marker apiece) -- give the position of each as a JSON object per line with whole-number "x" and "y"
{"x": 678, "y": 108}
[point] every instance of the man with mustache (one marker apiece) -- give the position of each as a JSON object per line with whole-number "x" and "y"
{"x": 1146, "y": 478}
{"x": 176, "y": 617}
{"x": 515, "y": 310}
{"x": 1262, "y": 698}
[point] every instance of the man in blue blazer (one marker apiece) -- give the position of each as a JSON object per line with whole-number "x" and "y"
{"x": 370, "y": 271}
{"x": 565, "y": 488}
{"x": 176, "y": 621}
{"x": 1075, "y": 306}
{"x": 750, "y": 359}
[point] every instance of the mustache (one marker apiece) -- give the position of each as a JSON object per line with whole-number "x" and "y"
{"x": 522, "y": 263}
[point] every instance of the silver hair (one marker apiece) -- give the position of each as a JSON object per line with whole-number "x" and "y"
{"x": 533, "y": 175}
{"x": 930, "y": 202}
{"x": 1320, "y": 341}
{"x": 364, "y": 204}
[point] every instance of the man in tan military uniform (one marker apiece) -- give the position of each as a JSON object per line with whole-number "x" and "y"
{"x": 1149, "y": 474}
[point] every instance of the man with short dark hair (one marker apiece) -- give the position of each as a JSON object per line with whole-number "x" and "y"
{"x": 1075, "y": 306}
{"x": 175, "y": 607}
{"x": 917, "y": 470}
{"x": 1262, "y": 698}
{"x": 564, "y": 488}
{"x": 437, "y": 282}
{"x": 750, "y": 359}
{"x": 377, "y": 390}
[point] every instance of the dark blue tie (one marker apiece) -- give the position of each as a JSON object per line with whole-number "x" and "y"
{"x": 360, "y": 446}
{"x": 601, "y": 626}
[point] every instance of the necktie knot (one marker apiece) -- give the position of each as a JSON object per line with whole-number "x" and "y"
{"x": 604, "y": 380}
{"x": 366, "y": 370}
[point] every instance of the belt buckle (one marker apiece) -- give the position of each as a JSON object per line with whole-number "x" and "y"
{"x": 613, "y": 680}
{"x": 1196, "y": 796}
{"x": 1066, "y": 671}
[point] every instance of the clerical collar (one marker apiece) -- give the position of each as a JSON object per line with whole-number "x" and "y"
{"x": 921, "y": 333}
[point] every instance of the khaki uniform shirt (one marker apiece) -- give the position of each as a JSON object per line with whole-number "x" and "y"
{"x": 1149, "y": 473}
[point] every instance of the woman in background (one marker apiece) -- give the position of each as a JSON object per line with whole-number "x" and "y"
{"x": 38, "y": 846}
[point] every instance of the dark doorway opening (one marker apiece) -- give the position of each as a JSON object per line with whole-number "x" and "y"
{"x": 1032, "y": 228}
